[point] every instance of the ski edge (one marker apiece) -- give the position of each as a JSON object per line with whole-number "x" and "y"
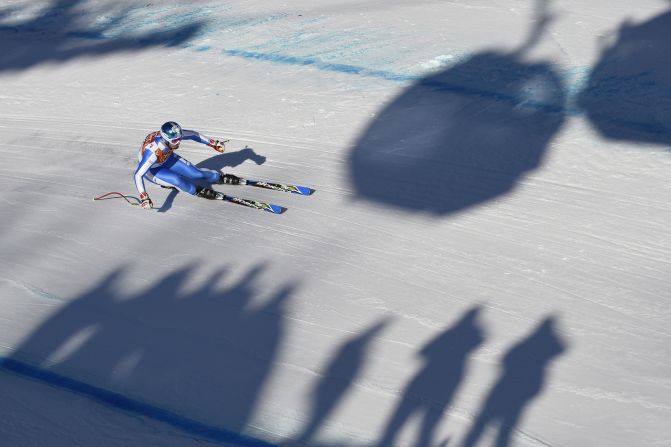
{"x": 250, "y": 203}
{"x": 294, "y": 189}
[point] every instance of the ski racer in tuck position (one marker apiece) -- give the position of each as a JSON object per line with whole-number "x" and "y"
{"x": 159, "y": 164}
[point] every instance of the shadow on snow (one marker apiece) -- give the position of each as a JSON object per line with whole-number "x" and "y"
{"x": 204, "y": 353}
{"x": 463, "y": 136}
{"x": 218, "y": 163}
{"x": 207, "y": 354}
{"x": 430, "y": 392}
{"x": 232, "y": 159}
{"x": 63, "y": 31}
{"x": 628, "y": 94}
{"x": 523, "y": 376}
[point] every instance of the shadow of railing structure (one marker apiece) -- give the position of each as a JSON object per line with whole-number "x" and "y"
{"x": 66, "y": 30}
{"x": 522, "y": 379}
{"x": 463, "y": 136}
{"x": 430, "y": 392}
{"x": 628, "y": 94}
{"x": 176, "y": 355}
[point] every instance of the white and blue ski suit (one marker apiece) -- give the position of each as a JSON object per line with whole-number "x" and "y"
{"x": 159, "y": 164}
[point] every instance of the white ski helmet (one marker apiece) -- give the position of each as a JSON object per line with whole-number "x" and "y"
{"x": 171, "y": 132}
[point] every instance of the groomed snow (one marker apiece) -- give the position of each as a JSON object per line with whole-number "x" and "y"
{"x": 486, "y": 259}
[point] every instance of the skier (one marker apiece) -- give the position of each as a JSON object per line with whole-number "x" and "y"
{"x": 159, "y": 164}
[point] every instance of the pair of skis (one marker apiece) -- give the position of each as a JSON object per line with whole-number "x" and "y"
{"x": 270, "y": 207}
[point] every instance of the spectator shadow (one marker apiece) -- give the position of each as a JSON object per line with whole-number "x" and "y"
{"x": 463, "y": 136}
{"x": 430, "y": 392}
{"x": 232, "y": 159}
{"x": 340, "y": 374}
{"x": 628, "y": 94}
{"x": 65, "y": 30}
{"x": 203, "y": 353}
{"x": 522, "y": 379}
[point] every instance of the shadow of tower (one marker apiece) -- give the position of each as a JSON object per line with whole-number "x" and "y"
{"x": 628, "y": 95}
{"x": 463, "y": 136}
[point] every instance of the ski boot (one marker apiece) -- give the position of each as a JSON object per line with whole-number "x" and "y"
{"x": 228, "y": 179}
{"x": 206, "y": 193}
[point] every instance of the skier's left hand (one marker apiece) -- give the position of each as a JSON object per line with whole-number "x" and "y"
{"x": 145, "y": 201}
{"x": 218, "y": 145}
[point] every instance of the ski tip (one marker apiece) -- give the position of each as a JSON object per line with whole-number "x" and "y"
{"x": 276, "y": 209}
{"x": 304, "y": 190}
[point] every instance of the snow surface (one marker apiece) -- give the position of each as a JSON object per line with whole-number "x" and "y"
{"x": 486, "y": 259}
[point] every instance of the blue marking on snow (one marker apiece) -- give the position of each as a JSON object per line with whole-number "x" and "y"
{"x": 325, "y": 66}
{"x": 121, "y": 402}
{"x": 398, "y": 77}
{"x": 343, "y": 45}
{"x": 89, "y": 35}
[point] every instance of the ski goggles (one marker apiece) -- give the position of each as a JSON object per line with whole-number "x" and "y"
{"x": 175, "y": 141}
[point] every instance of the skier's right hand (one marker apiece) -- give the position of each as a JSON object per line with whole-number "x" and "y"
{"x": 218, "y": 145}
{"x": 145, "y": 201}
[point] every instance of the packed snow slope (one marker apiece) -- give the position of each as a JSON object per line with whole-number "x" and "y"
{"x": 486, "y": 259}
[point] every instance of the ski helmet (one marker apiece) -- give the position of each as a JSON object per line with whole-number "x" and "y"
{"x": 171, "y": 132}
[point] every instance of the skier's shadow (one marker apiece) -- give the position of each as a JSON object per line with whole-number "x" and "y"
{"x": 463, "y": 136}
{"x": 430, "y": 392}
{"x": 58, "y": 34}
{"x": 169, "y": 200}
{"x": 522, "y": 379}
{"x": 628, "y": 94}
{"x": 232, "y": 159}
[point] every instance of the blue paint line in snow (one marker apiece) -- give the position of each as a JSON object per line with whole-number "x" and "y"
{"x": 391, "y": 76}
{"x": 123, "y": 403}
{"x": 325, "y": 66}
